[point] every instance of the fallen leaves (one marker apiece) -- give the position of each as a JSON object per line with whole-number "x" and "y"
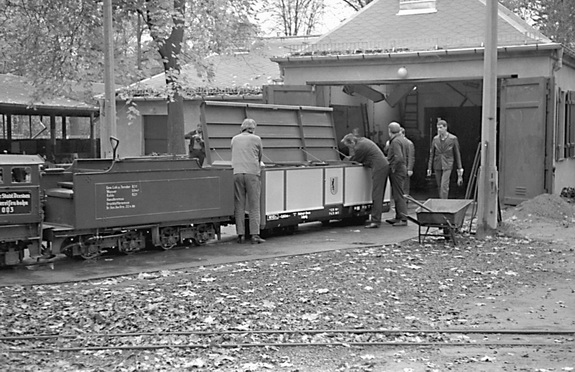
{"x": 409, "y": 286}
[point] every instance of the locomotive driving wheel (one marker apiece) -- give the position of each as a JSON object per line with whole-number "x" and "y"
{"x": 169, "y": 238}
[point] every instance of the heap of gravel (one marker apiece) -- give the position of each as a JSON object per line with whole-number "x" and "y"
{"x": 545, "y": 206}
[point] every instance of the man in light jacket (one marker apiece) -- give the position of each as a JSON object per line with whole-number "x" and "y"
{"x": 443, "y": 153}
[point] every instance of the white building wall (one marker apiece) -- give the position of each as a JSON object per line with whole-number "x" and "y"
{"x": 130, "y": 129}
{"x": 386, "y": 69}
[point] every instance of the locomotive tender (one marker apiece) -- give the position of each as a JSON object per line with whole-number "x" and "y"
{"x": 96, "y": 205}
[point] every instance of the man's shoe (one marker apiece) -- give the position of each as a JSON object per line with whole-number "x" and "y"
{"x": 392, "y": 221}
{"x": 257, "y": 240}
{"x": 241, "y": 239}
{"x": 400, "y": 223}
{"x": 372, "y": 225}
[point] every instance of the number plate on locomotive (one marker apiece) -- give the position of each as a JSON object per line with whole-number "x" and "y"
{"x": 14, "y": 202}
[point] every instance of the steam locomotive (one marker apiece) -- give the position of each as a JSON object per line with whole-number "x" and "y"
{"x": 95, "y": 205}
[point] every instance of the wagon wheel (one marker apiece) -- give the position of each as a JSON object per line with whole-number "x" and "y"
{"x": 131, "y": 242}
{"x": 89, "y": 251}
{"x": 169, "y": 238}
{"x": 86, "y": 251}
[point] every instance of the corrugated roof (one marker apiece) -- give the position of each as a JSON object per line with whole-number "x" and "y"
{"x": 16, "y": 97}
{"x": 455, "y": 24}
{"x": 241, "y": 73}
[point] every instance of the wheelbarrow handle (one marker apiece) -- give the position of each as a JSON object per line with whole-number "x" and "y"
{"x": 418, "y": 203}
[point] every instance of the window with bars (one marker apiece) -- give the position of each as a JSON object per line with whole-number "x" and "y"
{"x": 416, "y": 6}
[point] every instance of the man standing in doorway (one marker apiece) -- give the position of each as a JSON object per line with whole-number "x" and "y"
{"x": 365, "y": 151}
{"x": 396, "y": 156}
{"x": 444, "y": 151}
{"x": 246, "y": 162}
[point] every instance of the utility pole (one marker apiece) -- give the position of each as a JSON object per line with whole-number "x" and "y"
{"x": 109, "y": 114}
{"x": 488, "y": 188}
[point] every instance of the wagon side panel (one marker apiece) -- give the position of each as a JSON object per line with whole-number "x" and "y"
{"x": 136, "y": 198}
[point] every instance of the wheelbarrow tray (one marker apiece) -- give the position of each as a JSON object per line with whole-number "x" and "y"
{"x": 452, "y": 210}
{"x": 445, "y": 214}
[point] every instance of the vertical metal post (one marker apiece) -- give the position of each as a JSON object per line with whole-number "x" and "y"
{"x": 54, "y": 151}
{"x": 93, "y": 146}
{"x": 488, "y": 187}
{"x": 9, "y": 129}
{"x": 64, "y": 129}
{"x": 109, "y": 117}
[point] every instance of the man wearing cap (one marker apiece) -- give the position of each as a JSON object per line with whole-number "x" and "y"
{"x": 246, "y": 162}
{"x": 396, "y": 156}
{"x": 444, "y": 151}
{"x": 365, "y": 151}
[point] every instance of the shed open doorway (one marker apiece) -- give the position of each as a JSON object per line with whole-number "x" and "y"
{"x": 465, "y": 123}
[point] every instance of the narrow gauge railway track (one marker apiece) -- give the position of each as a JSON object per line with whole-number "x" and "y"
{"x": 288, "y": 338}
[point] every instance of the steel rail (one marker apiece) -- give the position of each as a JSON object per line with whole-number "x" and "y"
{"x": 302, "y": 331}
{"x": 287, "y": 344}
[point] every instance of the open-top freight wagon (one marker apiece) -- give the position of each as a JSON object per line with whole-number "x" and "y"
{"x": 304, "y": 178}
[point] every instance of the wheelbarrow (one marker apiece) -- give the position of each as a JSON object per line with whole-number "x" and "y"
{"x": 445, "y": 214}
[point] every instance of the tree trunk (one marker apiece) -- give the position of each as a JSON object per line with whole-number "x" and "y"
{"x": 170, "y": 51}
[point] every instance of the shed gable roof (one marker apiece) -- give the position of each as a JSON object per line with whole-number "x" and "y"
{"x": 242, "y": 73}
{"x": 455, "y": 24}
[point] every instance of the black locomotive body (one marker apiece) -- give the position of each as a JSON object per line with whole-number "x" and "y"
{"x": 20, "y": 207}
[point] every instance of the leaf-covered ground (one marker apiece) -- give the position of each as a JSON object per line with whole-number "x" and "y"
{"x": 404, "y": 287}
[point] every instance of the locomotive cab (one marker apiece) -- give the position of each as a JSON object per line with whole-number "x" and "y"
{"x": 20, "y": 207}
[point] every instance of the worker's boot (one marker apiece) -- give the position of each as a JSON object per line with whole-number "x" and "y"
{"x": 257, "y": 240}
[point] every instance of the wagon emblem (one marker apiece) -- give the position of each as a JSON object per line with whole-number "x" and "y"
{"x": 333, "y": 185}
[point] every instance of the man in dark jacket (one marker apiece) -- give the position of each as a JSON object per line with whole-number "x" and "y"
{"x": 365, "y": 151}
{"x": 410, "y": 161}
{"x": 396, "y": 156}
{"x": 444, "y": 150}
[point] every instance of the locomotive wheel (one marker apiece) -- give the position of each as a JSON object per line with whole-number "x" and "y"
{"x": 131, "y": 242}
{"x": 169, "y": 238}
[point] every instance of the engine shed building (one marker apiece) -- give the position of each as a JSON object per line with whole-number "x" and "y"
{"x": 59, "y": 129}
{"x": 414, "y": 61}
